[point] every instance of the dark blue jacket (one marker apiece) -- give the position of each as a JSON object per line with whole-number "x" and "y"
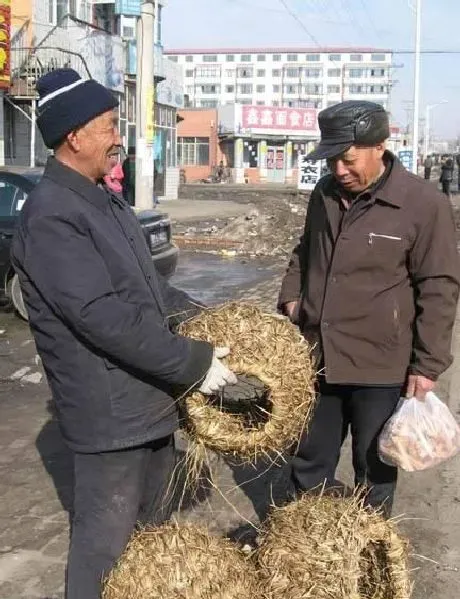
{"x": 98, "y": 312}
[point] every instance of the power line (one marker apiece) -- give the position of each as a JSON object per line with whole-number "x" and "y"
{"x": 299, "y": 21}
{"x": 370, "y": 19}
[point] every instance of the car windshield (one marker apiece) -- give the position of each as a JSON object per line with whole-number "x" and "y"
{"x": 12, "y": 198}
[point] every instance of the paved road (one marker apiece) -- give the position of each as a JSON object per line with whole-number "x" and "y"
{"x": 36, "y": 480}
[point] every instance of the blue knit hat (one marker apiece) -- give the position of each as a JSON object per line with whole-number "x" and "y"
{"x": 66, "y": 101}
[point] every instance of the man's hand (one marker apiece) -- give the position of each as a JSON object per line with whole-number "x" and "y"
{"x": 418, "y": 386}
{"x": 218, "y": 374}
{"x": 291, "y": 309}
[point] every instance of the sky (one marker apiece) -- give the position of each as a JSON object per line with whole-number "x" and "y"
{"x": 386, "y": 24}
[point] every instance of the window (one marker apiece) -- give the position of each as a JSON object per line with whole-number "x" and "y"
{"x": 292, "y": 57}
{"x": 378, "y": 72}
{"x": 244, "y": 73}
{"x": 356, "y": 89}
{"x": 12, "y": 199}
{"x": 292, "y": 72}
{"x": 261, "y": 57}
{"x": 230, "y": 58}
{"x": 275, "y": 103}
{"x": 313, "y": 57}
{"x": 356, "y": 73}
{"x": 260, "y": 103}
{"x": 260, "y": 89}
{"x": 313, "y": 73}
{"x": 193, "y": 151}
{"x": 377, "y": 57}
{"x": 333, "y": 89}
{"x": 244, "y": 101}
{"x": 190, "y": 90}
{"x": 129, "y": 33}
{"x": 189, "y": 59}
{"x": 208, "y": 72}
{"x": 230, "y": 73}
{"x": 276, "y": 73}
{"x": 335, "y": 57}
{"x": 313, "y": 89}
{"x": 208, "y": 103}
{"x": 261, "y": 73}
{"x": 61, "y": 10}
{"x": 245, "y": 58}
{"x": 210, "y": 58}
{"x": 189, "y": 73}
{"x": 245, "y": 88}
{"x": 276, "y": 57}
{"x": 334, "y": 72}
{"x": 356, "y": 57}
{"x": 51, "y": 11}
{"x": 291, "y": 89}
{"x": 276, "y": 89}
{"x": 229, "y": 89}
{"x": 209, "y": 89}
{"x": 383, "y": 89}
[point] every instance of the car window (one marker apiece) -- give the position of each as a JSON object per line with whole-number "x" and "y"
{"x": 12, "y": 199}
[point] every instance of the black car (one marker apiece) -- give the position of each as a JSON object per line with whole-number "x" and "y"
{"x": 15, "y": 185}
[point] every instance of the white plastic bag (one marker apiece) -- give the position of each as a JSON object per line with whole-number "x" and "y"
{"x": 419, "y": 435}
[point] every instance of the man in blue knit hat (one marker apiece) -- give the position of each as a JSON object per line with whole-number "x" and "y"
{"x": 99, "y": 314}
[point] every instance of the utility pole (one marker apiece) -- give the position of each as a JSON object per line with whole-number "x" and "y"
{"x": 415, "y": 132}
{"x": 428, "y": 110}
{"x": 144, "y": 106}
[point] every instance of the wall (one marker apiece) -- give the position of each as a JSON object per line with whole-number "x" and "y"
{"x": 200, "y": 123}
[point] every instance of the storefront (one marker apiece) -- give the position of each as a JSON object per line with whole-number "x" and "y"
{"x": 261, "y": 144}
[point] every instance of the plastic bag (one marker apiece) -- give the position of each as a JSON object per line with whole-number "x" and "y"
{"x": 419, "y": 435}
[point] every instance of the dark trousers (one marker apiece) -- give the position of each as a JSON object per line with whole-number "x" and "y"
{"x": 363, "y": 410}
{"x": 114, "y": 491}
{"x": 427, "y": 173}
{"x": 446, "y": 187}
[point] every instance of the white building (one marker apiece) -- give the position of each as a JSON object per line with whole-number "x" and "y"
{"x": 295, "y": 77}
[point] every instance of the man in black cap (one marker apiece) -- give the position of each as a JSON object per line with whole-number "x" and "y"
{"x": 99, "y": 314}
{"x": 373, "y": 285}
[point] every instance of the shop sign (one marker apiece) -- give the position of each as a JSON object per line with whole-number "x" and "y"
{"x": 310, "y": 173}
{"x": 5, "y": 52}
{"x": 278, "y": 118}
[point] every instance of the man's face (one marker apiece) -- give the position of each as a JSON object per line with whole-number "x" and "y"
{"x": 357, "y": 168}
{"x": 98, "y": 144}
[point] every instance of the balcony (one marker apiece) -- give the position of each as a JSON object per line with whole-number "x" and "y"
{"x": 72, "y": 43}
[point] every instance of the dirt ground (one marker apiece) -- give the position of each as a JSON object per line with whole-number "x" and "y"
{"x": 36, "y": 468}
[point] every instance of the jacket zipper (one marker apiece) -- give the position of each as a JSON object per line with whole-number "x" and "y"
{"x": 378, "y": 236}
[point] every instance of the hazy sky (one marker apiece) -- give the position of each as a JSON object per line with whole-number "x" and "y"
{"x": 377, "y": 23}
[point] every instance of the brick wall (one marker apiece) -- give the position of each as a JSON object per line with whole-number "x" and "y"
{"x": 200, "y": 123}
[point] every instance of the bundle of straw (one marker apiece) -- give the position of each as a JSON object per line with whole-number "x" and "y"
{"x": 332, "y": 548}
{"x": 269, "y": 348}
{"x": 172, "y": 562}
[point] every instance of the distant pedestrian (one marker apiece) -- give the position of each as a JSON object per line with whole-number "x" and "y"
{"x": 428, "y": 164}
{"x": 129, "y": 179}
{"x": 447, "y": 175}
{"x": 457, "y": 160}
{"x": 114, "y": 180}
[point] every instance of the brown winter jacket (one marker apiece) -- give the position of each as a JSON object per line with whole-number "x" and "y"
{"x": 378, "y": 283}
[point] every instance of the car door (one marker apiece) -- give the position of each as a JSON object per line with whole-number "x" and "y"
{"x": 12, "y": 198}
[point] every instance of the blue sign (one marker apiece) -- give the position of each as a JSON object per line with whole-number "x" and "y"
{"x": 406, "y": 156}
{"x": 128, "y": 7}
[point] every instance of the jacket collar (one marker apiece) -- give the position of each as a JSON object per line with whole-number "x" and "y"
{"x": 390, "y": 191}
{"x": 68, "y": 177}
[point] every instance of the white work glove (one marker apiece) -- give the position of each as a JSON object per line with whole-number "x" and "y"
{"x": 218, "y": 375}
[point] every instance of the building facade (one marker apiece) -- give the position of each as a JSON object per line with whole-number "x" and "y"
{"x": 291, "y": 77}
{"x": 255, "y": 144}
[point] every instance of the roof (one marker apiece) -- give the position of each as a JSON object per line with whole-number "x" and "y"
{"x": 302, "y": 49}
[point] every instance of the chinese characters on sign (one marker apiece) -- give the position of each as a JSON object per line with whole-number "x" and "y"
{"x": 406, "y": 156}
{"x": 291, "y": 119}
{"x": 309, "y": 173}
{"x": 5, "y": 24}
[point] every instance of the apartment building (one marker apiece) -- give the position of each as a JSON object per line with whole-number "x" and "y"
{"x": 291, "y": 77}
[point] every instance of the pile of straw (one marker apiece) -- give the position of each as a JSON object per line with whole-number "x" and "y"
{"x": 269, "y": 348}
{"x": 326, "y": 547}
{"x": 171, "y": 562}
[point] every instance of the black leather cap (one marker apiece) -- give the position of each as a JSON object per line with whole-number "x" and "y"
{"x": 350, "y": 123}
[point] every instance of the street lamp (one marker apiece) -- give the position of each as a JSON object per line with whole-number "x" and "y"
{"x": 428, "y": 109}
{"x": 418, "y": 28}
